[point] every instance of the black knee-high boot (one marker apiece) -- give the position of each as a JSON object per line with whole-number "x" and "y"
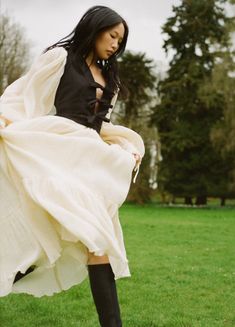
{"x": 104, "y": 292}
{"x": 19, "y": 274}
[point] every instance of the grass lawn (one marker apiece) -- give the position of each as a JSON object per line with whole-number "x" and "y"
{"x": 182, "y": 262}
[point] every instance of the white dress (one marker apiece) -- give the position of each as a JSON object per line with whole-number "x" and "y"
{"x": 61, "y": 185}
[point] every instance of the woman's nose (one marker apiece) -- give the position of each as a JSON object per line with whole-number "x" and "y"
{"x": 115, "y": 45}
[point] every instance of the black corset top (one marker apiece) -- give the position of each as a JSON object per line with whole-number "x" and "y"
{"x": 76, "y": 94}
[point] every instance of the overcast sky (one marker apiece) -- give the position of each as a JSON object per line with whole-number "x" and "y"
{"x": 47, "y": 21}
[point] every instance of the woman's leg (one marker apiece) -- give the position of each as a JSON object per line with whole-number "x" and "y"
{"x": 103, "y": 289}
{"x": 94, "y": 260}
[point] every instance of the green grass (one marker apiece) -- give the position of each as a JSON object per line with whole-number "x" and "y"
{"x": 182, "y": 262}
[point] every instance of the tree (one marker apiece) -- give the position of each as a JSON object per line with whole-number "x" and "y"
{"x": 184, "y": 120}
{"x": 223, "y": 82}
{"x": 138, "y": 75}
{"x": 14, "y": 51}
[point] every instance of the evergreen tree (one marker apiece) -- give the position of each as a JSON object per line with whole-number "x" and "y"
{"x": 223, "y": 85}
{"x": 184, "y": 120}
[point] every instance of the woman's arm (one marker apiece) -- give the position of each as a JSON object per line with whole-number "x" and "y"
{"x": 126, "y": 138}
{"x": 32, "y": 95}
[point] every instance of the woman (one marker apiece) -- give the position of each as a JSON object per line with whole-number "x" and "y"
{"x": 63, "y": 220}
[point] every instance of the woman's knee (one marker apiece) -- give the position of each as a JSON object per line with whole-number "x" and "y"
{"x": 94, "y": 259}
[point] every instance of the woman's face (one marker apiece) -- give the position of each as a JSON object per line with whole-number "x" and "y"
{"x": 109, "y": 41}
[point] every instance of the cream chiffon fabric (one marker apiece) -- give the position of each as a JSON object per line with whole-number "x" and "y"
{"x": 61, "y": 185}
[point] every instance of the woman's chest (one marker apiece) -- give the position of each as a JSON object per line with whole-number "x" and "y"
{"x": 98, "y": 78}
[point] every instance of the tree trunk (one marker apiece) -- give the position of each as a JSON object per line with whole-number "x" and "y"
{"x": 188, "y": 200}
{"x": 201, "y": 200}
{"x": 222, "y": 201}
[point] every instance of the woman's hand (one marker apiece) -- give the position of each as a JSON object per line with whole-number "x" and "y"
{"x": 4, "y": 119}
{"x": 137, "y": 157}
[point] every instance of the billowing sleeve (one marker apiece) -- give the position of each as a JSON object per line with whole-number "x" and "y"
{"x": 126, "y": 138}
{"x": 32, "y": 95}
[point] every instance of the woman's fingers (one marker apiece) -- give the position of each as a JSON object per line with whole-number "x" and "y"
{"x": 137, "y": 157}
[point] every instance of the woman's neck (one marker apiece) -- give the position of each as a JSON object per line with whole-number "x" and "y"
{"x": 91, "y": 59}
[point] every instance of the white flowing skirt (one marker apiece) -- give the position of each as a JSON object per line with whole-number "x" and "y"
{"x": 61, "y": 187}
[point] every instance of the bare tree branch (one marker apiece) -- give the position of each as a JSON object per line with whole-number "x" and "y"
{"x": 14, "y": 51}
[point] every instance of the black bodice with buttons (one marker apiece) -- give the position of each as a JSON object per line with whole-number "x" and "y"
{"x": 76, "y": 95}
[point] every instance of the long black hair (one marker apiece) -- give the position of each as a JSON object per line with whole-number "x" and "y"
{"x": 82, "y": 39}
